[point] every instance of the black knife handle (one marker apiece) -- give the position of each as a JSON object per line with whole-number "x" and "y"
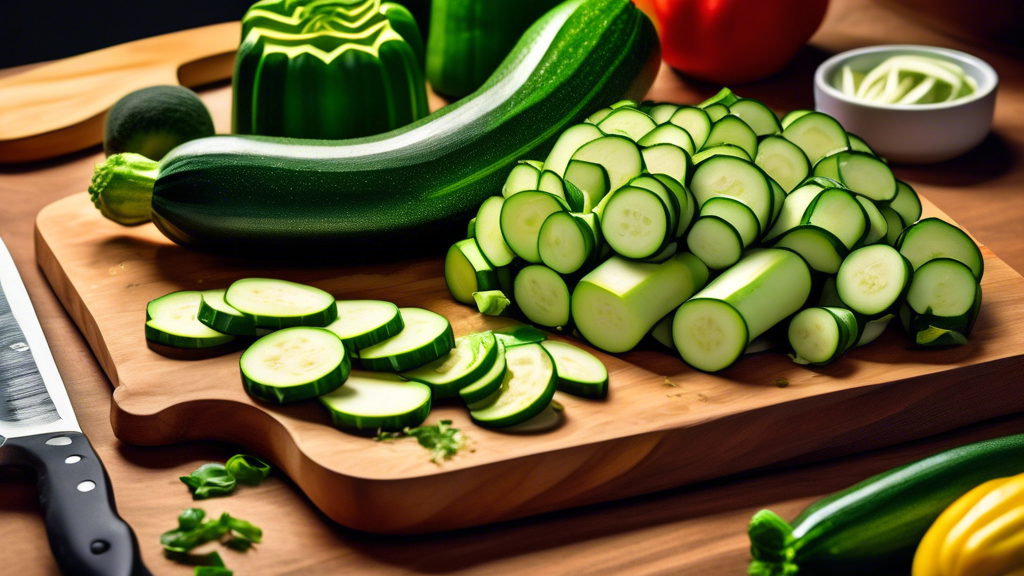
{"x": 87, "y": 536}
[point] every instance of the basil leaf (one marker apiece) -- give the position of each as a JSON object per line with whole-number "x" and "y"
{"x": 209, "y": 480}
{"x": 191, "y": 518}
{"x": 247, "y": 469}
{"x": 242, "y": 529}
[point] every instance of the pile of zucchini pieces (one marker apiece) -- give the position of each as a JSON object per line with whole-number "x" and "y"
{"x": 715, "y": 228}
{"x": 300, "y": 344}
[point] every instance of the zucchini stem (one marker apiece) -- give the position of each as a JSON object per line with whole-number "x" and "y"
{"x": 771, "y": 538}
{"x": 122, "y": 188}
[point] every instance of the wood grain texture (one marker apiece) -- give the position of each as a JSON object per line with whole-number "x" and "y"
{"x": 654, "y": 432}
{"x": 697, "y": 530}
{"x": 58, "y": 108}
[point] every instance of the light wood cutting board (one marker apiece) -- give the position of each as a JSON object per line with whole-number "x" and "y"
{"x": 60, "y": 107}
{"x": 663, "y": 424}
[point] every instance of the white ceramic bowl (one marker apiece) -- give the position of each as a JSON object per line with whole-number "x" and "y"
{"x": 910, "y": 133}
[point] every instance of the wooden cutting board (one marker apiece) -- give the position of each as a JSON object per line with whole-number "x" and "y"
{"x": 60, "y": 107}
{"x": 663, "y": 424}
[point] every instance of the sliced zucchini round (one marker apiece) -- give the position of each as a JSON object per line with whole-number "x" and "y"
{"x": 709, "y": 334}
{"x": 839, "y": 212}
{"x": 783, "y": 161}
{"x": 628, "y": 122}
{"x": 279, "y": 304}
{"x": 467, "y": 271}
{"x": 488, "y": 232}
{"x": 715, "y": 241}
{"x": 734, "y": 178}
{"x": 820, "y": 335}
{"x": 294, "y": 364}
{"x": 817, "y": 134}
{"x": 736, "y": 213}
{"x": 519, "y": 335}
{"x": 565, "y": 243}
{"x": 172, "y": 320}
{"x": 619, "y": 156}
{"x": 668, "y": 134}
{"x": 426, "y": 337}
{"x": 732, "y": 130}
{"x": 370, "y": 401}
{"x": 471, "y": 358}
{"x": 696, "y": 123}
{"x": 215, "y": 313}
{"x": 580, "y": 373}
{"x": 543, "y": 296}
{"x": 489, "y": 382}
{"x": 571, "y": 140}
{"x": 522, "y": 216}
{"x": 818, "y": 247}
{"x": 907, "y": 204}
{"x": 942, "y": 288}
{"x": 757, "y": 115}
{"x": 933, "y": 238}
{"x": 636, "y": 223}
{"x": 873, "y": 280}
{"x": 363, "y": 323}
{"x": 527, "y": 389}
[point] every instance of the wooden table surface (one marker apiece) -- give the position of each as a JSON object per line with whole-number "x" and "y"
{"x": 695, "y": 530}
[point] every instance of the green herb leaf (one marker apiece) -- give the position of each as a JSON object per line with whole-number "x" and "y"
{"x": 211, "y": 559}
{"x": 242, "y": 529}
{"x": 442, "y": 440}
{"x": 190, "y": 519}
{"x": 209, "y": 480}
{"x": 247, "y": 469}
{"x": 383, "y": 436}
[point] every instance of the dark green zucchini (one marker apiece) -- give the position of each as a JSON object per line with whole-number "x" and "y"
{"x": 410, "y": 190}
{"x": 877, "y": 524}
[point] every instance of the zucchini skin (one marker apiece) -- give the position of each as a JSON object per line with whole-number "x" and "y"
{"x": 878, "y": 523}
{"x": 406, "y": 192}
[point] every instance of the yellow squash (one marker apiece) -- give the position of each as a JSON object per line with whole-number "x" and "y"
{"x": 981, "y": 534}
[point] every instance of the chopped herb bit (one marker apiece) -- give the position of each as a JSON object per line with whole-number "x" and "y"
{"x": 193, "y": 532}
{"x": 212, "y": 571}
{"x": 442, "y": 440}
{"x": 247, "y": 469}
{"x": 209, "y": 480}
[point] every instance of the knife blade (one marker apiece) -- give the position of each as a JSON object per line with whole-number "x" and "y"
{"x": 38, "y": 430}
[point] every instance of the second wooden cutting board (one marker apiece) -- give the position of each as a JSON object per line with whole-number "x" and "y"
{"x": 663, "y": 424}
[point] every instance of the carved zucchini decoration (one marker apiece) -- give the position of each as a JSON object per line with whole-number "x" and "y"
{"x": 397, "y": 194}
{"x": 328, "y": 69}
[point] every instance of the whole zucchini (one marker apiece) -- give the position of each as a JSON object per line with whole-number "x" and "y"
{"x": 877, "y": 524}
{"x": 410, "y": 190}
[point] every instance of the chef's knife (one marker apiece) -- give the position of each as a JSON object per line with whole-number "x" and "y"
{"x": 38, "y": 429}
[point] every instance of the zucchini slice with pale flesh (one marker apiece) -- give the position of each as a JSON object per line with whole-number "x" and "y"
{"x": 590, "y": 179}
{"x": 488, "y": 233}
{"x": 571, "y": 140}
{"x": 820, "y": 335}
{"x": 794, "y": 209}
{"x": 696, "y": 123}
{"x": 295, "y": 364}
{"x": 528, "y": 386}
{"x": 662, "y": 113}
{"x": 757, "y": 115}
{"x": 838, "y": 212}
{"x": 363, "y": 323}
{"x": 866, "y": 175}
{"x": 942, "y": 303}
{"x": 873, "y": 280}
{"x": 893, "y": 225}
{"x": 523, "y": 176}
{"x": 817, "y": 134}
{"x": 820, "y": 248}
{"x": 215, "y": 313}
{"x": 471, "y": 358}
{"x": 736, "y": 213}
{"x": 712, "y": 329}
{"x": 667, "y": 159}
{"x": 783, "y": 161}
{"x": 619, "y": 156}
{"x": 172, "y": 321}
{"x": 369, "y": 402}
{"x": 636, "y": 223}
{"x": 580, "y": 373}
{"x": 466, "y": 271}
{"x": 426, "y": 337}
{"x": 721, "y": 150}
{"x": 715, "y": 241}
{"x": 543, "y": 296}
{"x": 687, "y": 205}
{"x": 732, "y": 130}
{"x": 933, "y": 238}
{"x": 906, "y": 203}
{"x": 730, "y": 177}
{"x": 878, "y": 226}
{"x": 628, "y": 122}
{"x": 491, "y": 302}
{"x": 791, "y": 116}
{"x": 488, "y": 382}
{"x": 668, "y": 134}
{"x": 522, "y": 215}
{"x": 617, "y": 303}
{"x": 716, "y": 111}
{"x": 566, "y": 243}
{"x": 281, "y": 304}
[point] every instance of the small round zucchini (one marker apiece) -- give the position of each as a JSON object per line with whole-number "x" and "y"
{"x": 281, "y": 304}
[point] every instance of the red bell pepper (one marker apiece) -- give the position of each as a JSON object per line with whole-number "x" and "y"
{"x": 732, "y": 41}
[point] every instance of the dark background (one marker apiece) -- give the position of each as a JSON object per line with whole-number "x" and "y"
{"x": 40, "y": 30}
